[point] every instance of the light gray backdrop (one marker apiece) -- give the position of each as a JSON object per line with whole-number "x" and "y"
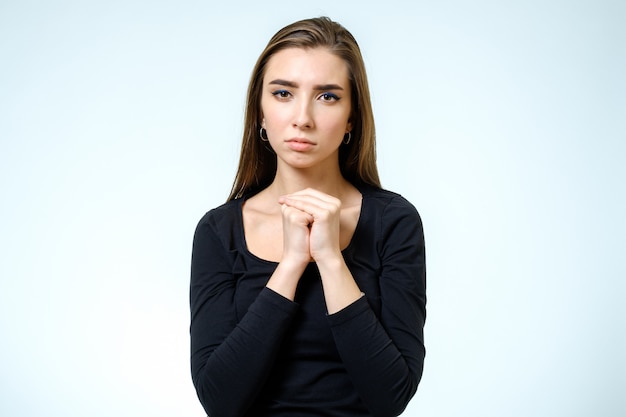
{"x": 503, "y": 122}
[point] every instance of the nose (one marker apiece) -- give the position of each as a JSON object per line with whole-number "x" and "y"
{"x": 303, "y": 117}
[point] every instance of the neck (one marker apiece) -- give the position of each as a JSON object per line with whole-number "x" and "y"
{"x": 289, "y": 180}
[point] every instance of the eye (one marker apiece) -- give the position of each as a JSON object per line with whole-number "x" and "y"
{"x": 281, "y": 94}
{"x": 329, "y": 97}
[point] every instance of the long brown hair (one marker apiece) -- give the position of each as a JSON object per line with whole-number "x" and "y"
{"x": 357, "y": 159}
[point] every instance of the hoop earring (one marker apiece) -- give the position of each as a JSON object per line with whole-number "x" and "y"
{"x": 346, "y": 141}
{"x": 263, "y": 135}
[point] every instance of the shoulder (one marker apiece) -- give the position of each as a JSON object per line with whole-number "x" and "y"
{"x": 388, "y": 203}
{"x": 396, "y": 222}
{"x": 219, "y": 230}
{"x": 222, "y": 217}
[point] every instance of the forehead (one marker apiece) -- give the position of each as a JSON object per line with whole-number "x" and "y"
{"x": 313, "y": 65}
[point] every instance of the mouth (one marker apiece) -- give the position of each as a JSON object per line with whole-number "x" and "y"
{"x": 300, "y": 140}
{"x": 300, "y": 144}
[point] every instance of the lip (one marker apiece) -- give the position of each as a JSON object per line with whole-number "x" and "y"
{"x": 299, "y": 144}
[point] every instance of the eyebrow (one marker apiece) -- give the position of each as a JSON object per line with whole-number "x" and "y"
{"x": 319, "y": 87}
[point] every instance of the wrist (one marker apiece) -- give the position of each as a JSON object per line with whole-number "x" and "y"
{"x": 285, "y": 278}
{"x": 332, "y": 264}
{"x": 340, "y": 288}
{"x": 295, "y": 264}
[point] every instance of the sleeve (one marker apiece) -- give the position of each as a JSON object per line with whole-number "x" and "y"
{"x": 385, "y": 355}
{"x": 230, "y": 360}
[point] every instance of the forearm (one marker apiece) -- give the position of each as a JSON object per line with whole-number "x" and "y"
{"x": 340, "y": 288}
{"x": 385, "y": 377}
{"x": 228, "y": 381}
{"x": 284, "y": 280}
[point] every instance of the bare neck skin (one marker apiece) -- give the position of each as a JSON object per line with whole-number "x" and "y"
{"x": 326, "y": 178}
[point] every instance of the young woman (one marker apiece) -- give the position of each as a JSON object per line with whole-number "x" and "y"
{"x": 308, "y": 285}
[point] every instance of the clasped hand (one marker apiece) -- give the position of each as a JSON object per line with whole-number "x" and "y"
{"x": 311, "y": 226}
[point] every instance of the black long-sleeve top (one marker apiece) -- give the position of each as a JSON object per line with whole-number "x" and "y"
{"x": 256, "y": 353}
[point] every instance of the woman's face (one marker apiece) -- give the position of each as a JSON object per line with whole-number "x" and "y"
{"x": 306, "y": 106}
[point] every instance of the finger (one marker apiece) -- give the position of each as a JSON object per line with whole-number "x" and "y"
{"x": 317, "y": 194}
{"x": 313, "y": 197}
{"x": 312, "y": 205}
{"x": 296, "y": 216}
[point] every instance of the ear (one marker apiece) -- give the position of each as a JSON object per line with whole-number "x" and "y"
{"x": 263, "y": 123}
{"x": 349, "y": 126}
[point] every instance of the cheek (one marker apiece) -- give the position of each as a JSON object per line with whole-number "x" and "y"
{"x": 335, "y": 123}
{"x": 273, "y": 116}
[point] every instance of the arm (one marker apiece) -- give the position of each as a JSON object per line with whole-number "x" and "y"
{"x": 385, "y": 355}
{"x": 322, "y": 214}
{"x": 230, "y": 361}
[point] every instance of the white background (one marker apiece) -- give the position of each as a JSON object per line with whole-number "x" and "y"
{"x": 503, "y": 122}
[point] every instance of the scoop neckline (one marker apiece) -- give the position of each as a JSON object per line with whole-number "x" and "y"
{"x": 344, "y": 251}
